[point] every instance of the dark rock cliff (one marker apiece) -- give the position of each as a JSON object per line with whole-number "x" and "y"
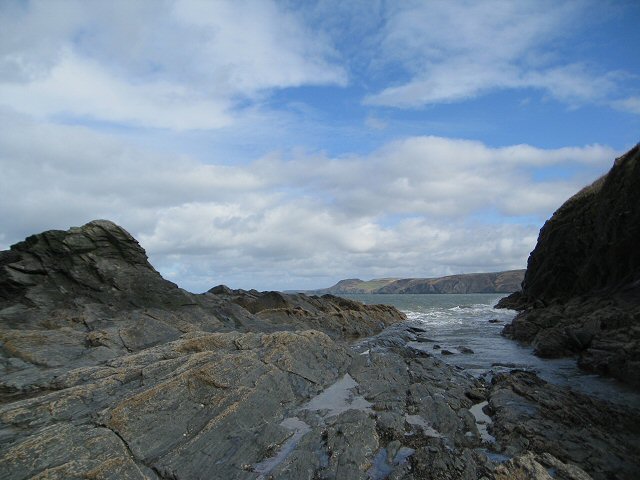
{"x": 581, "y": 290}
{"x": 99, "y": 262}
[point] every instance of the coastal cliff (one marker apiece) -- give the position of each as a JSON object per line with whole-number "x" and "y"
{"x": 108, "y": 371}
{"x": 494, "y": 282}
{"x": 581, "y": 290}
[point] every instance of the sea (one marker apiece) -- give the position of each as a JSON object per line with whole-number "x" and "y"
{"x": 456, "y": 322}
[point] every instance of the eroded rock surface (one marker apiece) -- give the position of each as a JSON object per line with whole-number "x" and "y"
{"x": 87, "y": 295}
{"x": 110, "y": 372}
{"x": 581, "y": 291}
{"x": 531, "y": 415}
{"x": 225, "y": 405}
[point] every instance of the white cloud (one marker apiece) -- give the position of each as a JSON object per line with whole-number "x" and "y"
{"x": 82, "y": 88}
{"x": 420, "y": 206}
{"x": 454, "y": 51}
{"x": 374, "y": 123}
{"x": 443, "y": 177}
{"x": 258, "y": 45}
{"x": 629, "y": 104}
{"x": 178, "y": 65}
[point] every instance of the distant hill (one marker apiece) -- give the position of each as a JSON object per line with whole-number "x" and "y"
{"x": 496, "y": 282}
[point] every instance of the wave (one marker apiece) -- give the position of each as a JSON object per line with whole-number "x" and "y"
{"x": 460, "y": 314}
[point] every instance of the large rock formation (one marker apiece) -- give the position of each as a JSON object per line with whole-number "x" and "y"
{"x": 87, "y": 295}
{"x": 581, "y": 290}
{"x": 110, "y": 372}
{"x": 531, "y": 415}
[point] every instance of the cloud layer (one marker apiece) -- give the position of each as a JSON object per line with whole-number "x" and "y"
{"x": 418, "y": 206}
{"x": 125, "y": 62}
{"x": 278, "y": 144}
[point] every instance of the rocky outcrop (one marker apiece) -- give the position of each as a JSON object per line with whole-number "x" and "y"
{"x": 97, "y": 263}
{"x": 106, "y": 378}
{"x": 338, "y": 317}
{"x": 109, "y": 371}
{"x": 581, "y": 291}
{"x": 497, "y": 282}
{"x": 87, "y": 295}
{"x": 246, "y": 406}
{"x": 529, "y": 466}
{"x": 530, "y": 415}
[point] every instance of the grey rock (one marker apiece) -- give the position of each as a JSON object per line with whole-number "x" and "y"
{"x": 109, "y": 371}
{"x": 86, "y": 295}
{"x": 531, "y": 415}
{"x": 537, "y": 467}
{"x": 581, "y": 291}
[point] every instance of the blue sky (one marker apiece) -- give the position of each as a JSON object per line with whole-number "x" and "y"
{"x": 284, "y": 144}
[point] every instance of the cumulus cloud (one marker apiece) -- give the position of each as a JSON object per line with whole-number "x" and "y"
{"x": 420, "y": 206}
{"x": 183, "y": 64}
{"x": 454, "y": 51}
{"x": 442, "y": 177}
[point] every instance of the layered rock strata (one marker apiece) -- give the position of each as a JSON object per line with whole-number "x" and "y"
{"x": 581, "y": 291}
{"x": 88, "y": 295}
{"x": 110, "y": 372}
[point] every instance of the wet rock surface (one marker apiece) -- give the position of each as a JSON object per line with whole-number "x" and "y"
{"x": 581, "y": 291}
{"x": 106, "y": 378}
{"x": 87, "y": 295}
{"x": 531, "y": 415}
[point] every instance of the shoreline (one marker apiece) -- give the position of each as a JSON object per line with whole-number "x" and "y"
{"x": 98, "y": 349}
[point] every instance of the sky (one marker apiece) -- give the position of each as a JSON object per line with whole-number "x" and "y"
{"x": 290, "y": 144}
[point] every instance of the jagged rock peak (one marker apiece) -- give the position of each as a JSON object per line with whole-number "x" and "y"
{"x": 98, "y": 260}
{"x": 100, "y": 237}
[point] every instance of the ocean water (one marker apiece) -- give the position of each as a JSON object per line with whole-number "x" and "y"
{"x": 456, "y": 322}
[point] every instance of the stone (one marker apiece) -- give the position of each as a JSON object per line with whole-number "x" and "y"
{"x": 531, "y": 415}
{"x": 109, "y": 371}
{"x": 581, "y": 290}
{"x": 86, "y": 295}
{"x": 532, "y": 467}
